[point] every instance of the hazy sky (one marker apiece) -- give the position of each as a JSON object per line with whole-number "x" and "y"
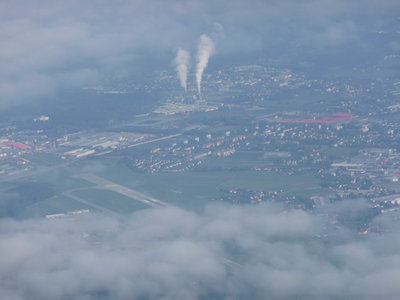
{"x": 47, "y": 45}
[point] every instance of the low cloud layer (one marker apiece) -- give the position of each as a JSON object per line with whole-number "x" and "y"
{"x": 229, "y": 252}
{"x": 49, "y": 45}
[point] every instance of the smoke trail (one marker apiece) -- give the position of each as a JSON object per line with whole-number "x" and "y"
{"x": 206, "y": 49}
{"x": 182, "y": 66}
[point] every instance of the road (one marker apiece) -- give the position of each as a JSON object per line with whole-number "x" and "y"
{"x": 156, "y": 140}
{"x": 42, "y": 169}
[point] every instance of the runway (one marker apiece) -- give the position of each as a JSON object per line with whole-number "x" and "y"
{"x": 106, "y": 184}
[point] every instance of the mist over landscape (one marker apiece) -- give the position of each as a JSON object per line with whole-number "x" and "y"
{"x": 52, "y": 45}
{"x": 199, "y": 149}
{"x": 176, "y": 254}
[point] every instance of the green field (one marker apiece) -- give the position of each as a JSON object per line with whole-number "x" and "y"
{"x": 191, "y": 190}
{"x": 44, "y": 159}
{"x": 53, "y": 205}
{"x": 339, "y": 153}
{"x": 240, "y": 160}
{"x": 195, "y": 189}
{"x": 62, "y": 179}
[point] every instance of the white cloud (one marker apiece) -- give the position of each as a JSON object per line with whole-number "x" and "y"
{"x": 171, "y": 253}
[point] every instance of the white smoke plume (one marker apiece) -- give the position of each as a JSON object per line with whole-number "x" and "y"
{"x": 182, "y": 66}
{"x": 206, "y": 49}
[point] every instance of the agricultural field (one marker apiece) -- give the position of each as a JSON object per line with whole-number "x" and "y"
{"x": 191, "y": 189}
{"x": 53, "y": 205}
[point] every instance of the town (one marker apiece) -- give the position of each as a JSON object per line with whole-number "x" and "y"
{"x": 348, "y": 140}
